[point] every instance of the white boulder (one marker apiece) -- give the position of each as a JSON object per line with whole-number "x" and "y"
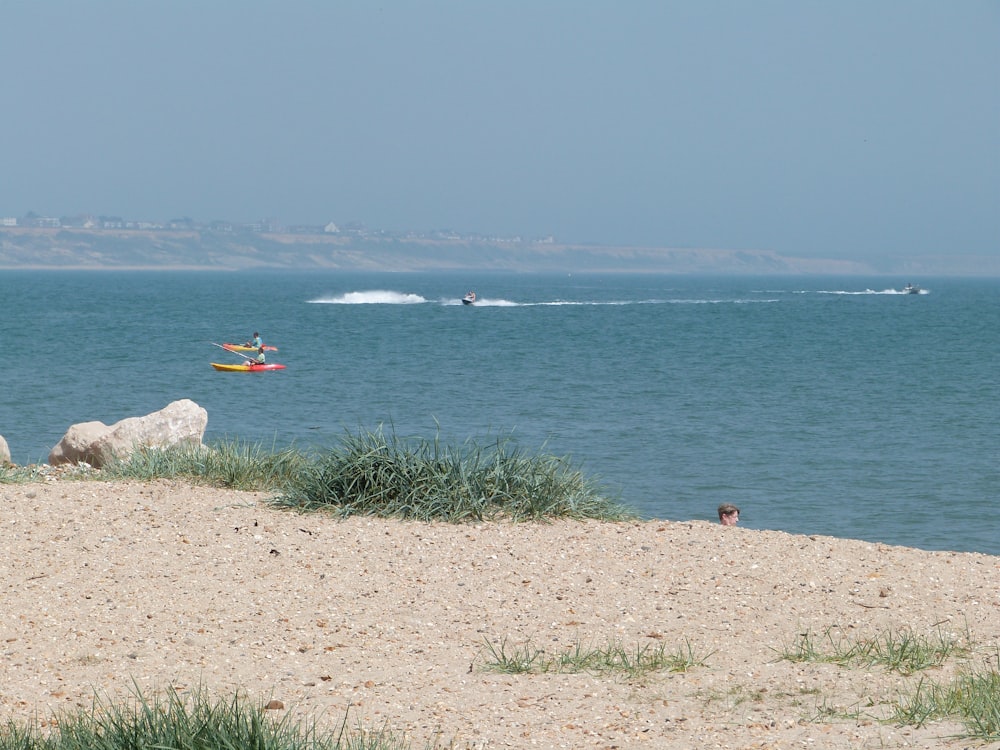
{"x": 181, "y": 422}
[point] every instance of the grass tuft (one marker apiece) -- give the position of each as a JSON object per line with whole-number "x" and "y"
{"x": 12, "y": 474}
{"x": 902, "y": 651}
{"x": 612, "y": 658}
{"x": 175, "y": 722}
{"x": 972, "y": 698}
{"x": 508, "y": 659}
{"x": 371, "y": 474}
{"x": 234, "y": 465}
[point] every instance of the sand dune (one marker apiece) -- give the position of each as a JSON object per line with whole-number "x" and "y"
{"x": 111, "y": 585}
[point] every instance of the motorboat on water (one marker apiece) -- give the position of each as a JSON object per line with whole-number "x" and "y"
{"x": 469, "y": 299}
{"x": 911, "y": 289}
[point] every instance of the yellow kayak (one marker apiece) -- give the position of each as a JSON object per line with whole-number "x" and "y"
{"x": 246, "y": 367}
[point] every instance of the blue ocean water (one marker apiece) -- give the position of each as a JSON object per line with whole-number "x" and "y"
{"x": 818, "y": 405}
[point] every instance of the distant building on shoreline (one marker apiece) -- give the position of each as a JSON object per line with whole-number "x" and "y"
{"x": 33, "y": 220}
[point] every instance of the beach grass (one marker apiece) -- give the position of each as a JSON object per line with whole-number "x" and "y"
{"x": 176, "y": 722}
{"x": 614, "y": 657}
{"x": 13, "y": 474}
{"x": 179, "y": 722}
{"x": 899, "y": 650}
{"x": 231, "y": 464}
{"x": 374, "y": 474}
{"x": 972, "y": 698}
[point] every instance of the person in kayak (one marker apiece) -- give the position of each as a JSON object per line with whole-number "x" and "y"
{"x": 259, "y": 359}
{"x": 256, "y": 342}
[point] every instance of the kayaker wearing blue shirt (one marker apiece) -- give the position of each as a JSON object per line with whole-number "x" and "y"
{"x": 257, "y": 342}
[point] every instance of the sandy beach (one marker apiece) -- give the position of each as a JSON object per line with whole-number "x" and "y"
{"x": 112, "y": 586}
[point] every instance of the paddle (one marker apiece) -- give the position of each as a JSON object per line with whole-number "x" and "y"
{"x": 250, "y": 360}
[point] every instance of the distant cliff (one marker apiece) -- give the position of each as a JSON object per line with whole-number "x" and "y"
{"x": 208, "y": 250}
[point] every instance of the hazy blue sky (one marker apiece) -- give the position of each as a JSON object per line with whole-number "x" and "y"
{"x": 838, "y": 129}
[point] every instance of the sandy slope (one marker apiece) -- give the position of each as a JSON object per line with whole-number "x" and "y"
{"x": 107, "y": 586}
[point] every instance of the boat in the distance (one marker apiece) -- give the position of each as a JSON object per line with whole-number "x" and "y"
{"x": 245, "y": 348}
{"x": 911, "y": 289}
{"x": 248, "y": 367}
{"x": 469, "y": 299}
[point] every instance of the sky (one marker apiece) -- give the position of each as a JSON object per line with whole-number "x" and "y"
{"x": 855, "y": 129}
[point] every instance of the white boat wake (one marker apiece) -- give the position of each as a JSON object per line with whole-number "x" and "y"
{"x": 863, "y": 292}
{"x": 389, "y": 297}
{"x": 373, "y": 297}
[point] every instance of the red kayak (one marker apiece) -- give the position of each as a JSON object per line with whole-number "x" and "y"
{"x": 247, "y": 367}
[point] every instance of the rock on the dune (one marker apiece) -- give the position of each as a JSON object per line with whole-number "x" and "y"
{"x": 78, "y": 443}
{"x": 181, "y": 422}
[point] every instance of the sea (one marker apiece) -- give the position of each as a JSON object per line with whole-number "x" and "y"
{"x": 818, "y": 405}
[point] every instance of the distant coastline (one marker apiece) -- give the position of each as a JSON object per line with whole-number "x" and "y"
{"x": 228, "y": 249}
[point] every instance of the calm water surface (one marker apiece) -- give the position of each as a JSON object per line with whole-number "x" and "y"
{"x": 818, "y": 405}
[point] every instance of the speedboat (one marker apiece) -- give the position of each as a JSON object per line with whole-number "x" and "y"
{"x": 469, "y": 298}
{"x": 910, "y": 289}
